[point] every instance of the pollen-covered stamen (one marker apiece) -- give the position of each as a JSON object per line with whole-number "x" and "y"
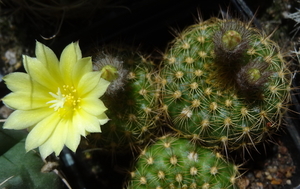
{"x": 67, "y": 98}
{"x": 70, "y": 93}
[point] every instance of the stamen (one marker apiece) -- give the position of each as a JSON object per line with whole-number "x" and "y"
{"x": 59, "y": 101}
{"x": 65, "y": 102}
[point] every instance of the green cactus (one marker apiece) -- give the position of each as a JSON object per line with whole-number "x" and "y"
{"x": 176, "y": 163}
{"x": 131, "y": 100}
{"x": 224, "y": 84}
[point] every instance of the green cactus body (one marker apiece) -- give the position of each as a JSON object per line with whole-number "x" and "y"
{"x": 224, "y": 84}
{"x": 131, "y": 101}
{"x": 176, "y": 163}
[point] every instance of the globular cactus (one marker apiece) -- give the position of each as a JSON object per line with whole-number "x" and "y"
{"x": 176, "y": 163}
{"x": 131, "y": 100}
{"x": 224, "y": 84}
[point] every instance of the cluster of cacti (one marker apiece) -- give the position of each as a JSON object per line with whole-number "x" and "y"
{"x": 177, "y": 163}
{"x": 224, "y": 84}
{"x": 131, "y": 100}
{"x": 220, "y": 86}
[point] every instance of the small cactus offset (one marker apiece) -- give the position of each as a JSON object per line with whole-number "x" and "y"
{"x": 131, "y": 100}
{"x": 224, "y": 84}
{"x": 176, "y": 163}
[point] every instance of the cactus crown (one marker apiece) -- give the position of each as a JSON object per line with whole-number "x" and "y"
{"x": 176, "y": 163}
{"x": 223, "y": 83}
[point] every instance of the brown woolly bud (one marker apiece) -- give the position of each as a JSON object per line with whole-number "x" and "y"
{"x": 251, "y": 79}
{"x": 109, "y": 73}
{"x": 112, "y": 70}
{"x": 231, "y": 39}
{"x": 231, "y": 42}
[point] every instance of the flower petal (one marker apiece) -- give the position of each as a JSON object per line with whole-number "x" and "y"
{"x": 82, "y": 67}
{"x": 73, "y": 138}
{"x": 24, "y": 101}
{"x": 68, "y": 59}
{"x": 78, "y": 124}
{"x": 47, "y": 57}
{"x": 59, "y": 136}
{"x": 56, "y": 141}
{"x": 42, "y": 131}
{"x": 39, "y": 73}
{"x": 89, "y": 122}
{"x": 93, "y": 106}
{"x": 20, "y": 119}
{"x": 99, "y": 90}
{"x": 18, "y": 81}
{"x": 45, "y": 149}
{"x": 103, "y": 119}
{"x": 90, "y": 82}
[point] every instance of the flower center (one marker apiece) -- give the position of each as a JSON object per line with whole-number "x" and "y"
{"x": 65, "y": 101}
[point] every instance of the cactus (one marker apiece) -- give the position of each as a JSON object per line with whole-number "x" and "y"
{"x": 176, "y": 163}
{"x": 131, "y": 100}
{"x": 224, "y": 84}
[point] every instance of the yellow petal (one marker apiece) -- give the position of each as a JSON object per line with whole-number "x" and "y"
{"x": 103, "y": 119}
{"x": 93, "y": 106}
{"x": 47, "y": 57}
{"x": 45, "y": 149}
{"x": 89, "y": 122}
{"x": 78, "y": 124}
{"x": 73, "y": 138}
{"x": 56, "y": 141}
{"x": 90, "y": 82}
{"x": 24, "y": 101}
{"x": 69, "y": 57}
{"x": 99, "y": 90}
{"x": 18, "y": 81}
{"x": 59, "y": 136}
{"x": 82, "y": 67}
{"x": 22, "y": 119}
{"x": 41, "y": 132}
{"x": 39, "y": 73}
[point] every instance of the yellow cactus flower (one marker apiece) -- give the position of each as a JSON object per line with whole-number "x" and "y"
{"x": 58, "y": 101}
